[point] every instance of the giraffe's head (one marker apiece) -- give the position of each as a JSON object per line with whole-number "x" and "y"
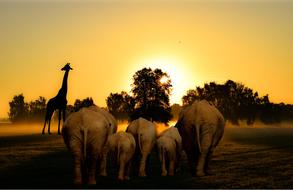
{"x": 66, "y": 67}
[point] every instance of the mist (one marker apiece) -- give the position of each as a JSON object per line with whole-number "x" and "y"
{"x": 12, "y": 129}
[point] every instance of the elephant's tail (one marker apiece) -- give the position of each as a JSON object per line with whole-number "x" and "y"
{"x": 198, "y": 138}
{"x": 139, "y": 141}
{"x": 84, "y": 131}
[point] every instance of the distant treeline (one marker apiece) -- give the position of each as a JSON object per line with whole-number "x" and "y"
{"x": 150, "y": 99}
{"x": 238, "y": 102}
{"x": 35, "y": 110}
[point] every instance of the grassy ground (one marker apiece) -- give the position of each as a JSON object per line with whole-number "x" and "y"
{"x": 245, "y": 158}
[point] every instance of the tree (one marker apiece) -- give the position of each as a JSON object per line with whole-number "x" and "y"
{"x": 37, "y": 109}
{"x": 18, "y": 109}
{"x": 234, "y": 100}
{"x": 78, "y": 104}
{"x": 121, "y": 105}
{"x": 151, "y": 95}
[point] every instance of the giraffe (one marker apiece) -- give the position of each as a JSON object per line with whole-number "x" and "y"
{"x": 59, "y": 102}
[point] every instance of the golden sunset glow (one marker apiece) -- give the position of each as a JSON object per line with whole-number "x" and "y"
{"x": 180, "y": 78}
{"x": 164, "y": 80}
{"x": 106, "y": 42}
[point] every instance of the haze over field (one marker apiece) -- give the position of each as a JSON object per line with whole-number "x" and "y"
{"x": 107, "y": 41}
{"x": 36, "y": 128}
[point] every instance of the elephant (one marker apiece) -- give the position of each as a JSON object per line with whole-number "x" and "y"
{"x": 121, "y": 148}
{"x": 144, "y": 133}
{"x": 201, "y": 126}
{"x": 85, "y": 133}
{"x": 108, "y": 116}
{"x": 169, "y": 146}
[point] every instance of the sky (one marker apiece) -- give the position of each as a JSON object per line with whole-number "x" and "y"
{"x": 106, "y": 42}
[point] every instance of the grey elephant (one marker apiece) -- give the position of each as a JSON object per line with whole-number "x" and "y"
{"x": 121, "y": 148}
{"x": 107, "y": 115}
{"x": 144, "y": 133}
{"x": 85, "y": 133}
{"x": 201, "y": 126}
{"x": 169, "y": 146}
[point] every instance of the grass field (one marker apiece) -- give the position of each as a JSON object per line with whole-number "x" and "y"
{"x": 245, "y": 158}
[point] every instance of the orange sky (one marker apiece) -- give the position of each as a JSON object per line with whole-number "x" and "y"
{"x": 107, "y": 41}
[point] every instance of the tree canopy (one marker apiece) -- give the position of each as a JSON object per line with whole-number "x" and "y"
{"x": 78, "y": 104}
{"x": 121, "y": 105}
{"x": 23, "y": 111}
{"x": 238, "y": 102}
{"x": 151, "y": 95}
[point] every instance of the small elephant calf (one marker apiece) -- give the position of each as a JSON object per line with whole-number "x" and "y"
{"x": 121, "y": 147}
{"x": 169, "y": 146}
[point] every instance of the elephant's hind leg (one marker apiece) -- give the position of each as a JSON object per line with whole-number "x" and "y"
{"x": 172, "y": 159}
{"x": 142, "y": 165}
{"x": 77, "y": 170}
{"x": 92, "y": 170}
{"x": 171, "y": 167}
{"x": 79, "y": 162}
{"x": 206, "y": 142}
{"x": 208, "y": 159}
{"x": 122, "y": 166}
{"x": 163, "y": 164}
{"x": 128, "y": 169}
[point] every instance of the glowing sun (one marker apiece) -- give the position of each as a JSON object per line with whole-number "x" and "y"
{"x": 172, "y": 67}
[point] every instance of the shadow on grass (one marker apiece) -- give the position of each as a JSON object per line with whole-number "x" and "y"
{"x": 47, "y": 171}
{"x": 27, "y": 139}
{"x": 55, "y": 170}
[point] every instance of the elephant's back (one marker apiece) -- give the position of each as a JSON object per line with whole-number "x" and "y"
{"x": 132, "y": 127}
{"x": 147, "y": 128}
{"x": 95, "y": 122}
{"x": 109, "y": 117}
{"x": 127, "y": 141}
{"x": 166, "y": 142}
{"x": 204, "y": 112}
{"x": 72, "y": 122}
{"x": 173, "y": 133}
{"x": 131, "y": 139}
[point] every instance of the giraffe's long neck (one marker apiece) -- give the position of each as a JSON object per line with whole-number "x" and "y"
{"x": 64, "y": 83}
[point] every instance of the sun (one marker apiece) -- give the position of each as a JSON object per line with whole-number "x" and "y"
{"x": 164, "y": 80}
{"x": 180, "y": 78}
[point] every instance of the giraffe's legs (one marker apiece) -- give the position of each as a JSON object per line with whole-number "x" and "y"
{"x": 63, "y": 116}
{"x": 47, "y": 120}
{"x": 49, "y": 127}
{"x": 43, "y": 132}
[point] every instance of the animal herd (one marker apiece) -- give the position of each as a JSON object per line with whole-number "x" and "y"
{"x": 91, "y": 136}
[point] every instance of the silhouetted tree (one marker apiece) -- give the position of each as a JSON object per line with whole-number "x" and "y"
{"x": 18, "y": 109}
{"x": 78, "y": 104}
{"x": 121, "y": 105}
{"x": 151, "y": 95}
{"x": 37, "y": 109}
{"x": 235, "y": 101}
{"x": 269, "y": 112}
